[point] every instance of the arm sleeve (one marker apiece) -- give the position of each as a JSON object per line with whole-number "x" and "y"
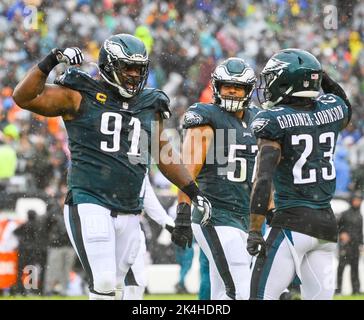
{"x": 153, "y": 207}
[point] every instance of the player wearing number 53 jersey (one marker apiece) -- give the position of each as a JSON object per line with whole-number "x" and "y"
{"x": 296, "y": 139}
{"x": 110, "y": 128}
{"x": 221, "y": 150}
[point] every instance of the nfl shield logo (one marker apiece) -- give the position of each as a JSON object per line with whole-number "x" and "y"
{"x": 306, "y": 84}
{"x": 125, "y": 105}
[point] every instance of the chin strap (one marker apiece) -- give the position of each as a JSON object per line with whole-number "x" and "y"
{"x": 122, "y": 92}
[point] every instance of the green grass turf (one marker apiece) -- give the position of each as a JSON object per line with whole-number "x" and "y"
{"x": 356, "y": 297}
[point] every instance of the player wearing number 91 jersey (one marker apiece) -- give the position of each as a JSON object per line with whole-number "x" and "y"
{"x": 221, "y": 150}
{"x": 110, "y": 124}
{"x": 106, "y": 141}
{"x": 296, "y": 139}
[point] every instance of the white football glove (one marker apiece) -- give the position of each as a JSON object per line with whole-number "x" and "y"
{"x": 70, "y": 56}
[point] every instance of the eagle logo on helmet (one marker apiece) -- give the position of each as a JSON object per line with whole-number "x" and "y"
{"x": 114, "y": 49}
{"x": 274, "y": 65}
{"x": 118, "y": 52}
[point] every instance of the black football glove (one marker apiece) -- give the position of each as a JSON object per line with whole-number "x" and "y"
{"x": 182, "y": 232}
{"x": 256, "y": 243}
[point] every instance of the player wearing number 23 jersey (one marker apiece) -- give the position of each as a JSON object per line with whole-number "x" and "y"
{"x": 296, "y": 137}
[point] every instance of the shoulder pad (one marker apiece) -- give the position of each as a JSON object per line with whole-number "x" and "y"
{"x": 162, "y": 104}
{"x": 265, "y": 126}
{"x": 157, "y": 99}
{"x": 254, "y": 109}
{"x": 330, "y": 98}
{"x": 333, "y": 101}
{"x": 75, "y": 79}
{"x": 198, "y": 114}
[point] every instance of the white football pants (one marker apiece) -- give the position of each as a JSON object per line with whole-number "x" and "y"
{"x": 229, "y": 261}
{"x": 106, "y": 246}
{"x": 291, "y": 254}
{"x": 135, "y": 281}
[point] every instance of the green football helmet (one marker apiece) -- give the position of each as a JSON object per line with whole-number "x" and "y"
{"x": 237, "y": 72}
{"x": 290, "y": 73}
{"x": 118, "y": 54}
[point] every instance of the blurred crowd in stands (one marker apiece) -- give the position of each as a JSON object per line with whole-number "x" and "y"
{"x": 185, "y": 40}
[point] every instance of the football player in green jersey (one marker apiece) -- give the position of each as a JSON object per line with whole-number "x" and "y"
{"x": 221, "y": 150}
{"x": 112, "y": 125}
{"x": 296, "y": 135}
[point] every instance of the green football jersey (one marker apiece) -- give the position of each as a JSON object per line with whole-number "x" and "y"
{"x": 109, "y": 142}
{"x": 305, "y": 176}
{"x": 227, "y": 173}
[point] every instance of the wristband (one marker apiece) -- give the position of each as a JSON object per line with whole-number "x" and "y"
{"x": 183, "y": 208}
{"x": 48, "y": 63}
{"x": 191, "y": 190}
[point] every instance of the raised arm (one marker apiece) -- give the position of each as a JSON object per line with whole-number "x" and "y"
{"x": 33, "y": 94}
{"x": 329, "y": 85}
